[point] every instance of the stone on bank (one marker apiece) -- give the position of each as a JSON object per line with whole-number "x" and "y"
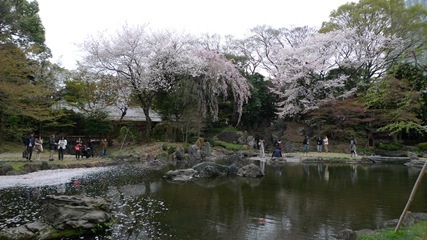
{"x": 65, "y": 216}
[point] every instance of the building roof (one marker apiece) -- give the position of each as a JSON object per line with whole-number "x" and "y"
{"x": 133, "y": 114}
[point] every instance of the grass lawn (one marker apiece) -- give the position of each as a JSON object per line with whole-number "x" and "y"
{"x": 417, "y": 231}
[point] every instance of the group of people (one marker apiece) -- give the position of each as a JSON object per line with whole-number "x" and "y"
{"x": 321, "y": 143}
{"x": 35, "y": 143}
{"x": 83, "y": 150}
{"x": 277, "y": 152}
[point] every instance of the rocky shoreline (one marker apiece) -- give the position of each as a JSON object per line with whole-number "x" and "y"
{"x": 410, "y": 219}
{"x": 64, "y": 217}
{"x": 202, "y": 165}
{"x": 6, "y": 168}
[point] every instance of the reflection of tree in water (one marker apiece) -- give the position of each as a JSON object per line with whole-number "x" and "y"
{"x": 326, "y": 174}
{"x": 277, "y": 170}
{"x": 273, "y": 207}
{"x": 353, "y": 174}
{"x": 211, "y": 182}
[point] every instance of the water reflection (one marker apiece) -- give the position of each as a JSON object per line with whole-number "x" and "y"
{"x": 293, "y": 201}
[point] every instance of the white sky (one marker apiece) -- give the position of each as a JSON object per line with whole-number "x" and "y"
{"x": 69, "y": 22}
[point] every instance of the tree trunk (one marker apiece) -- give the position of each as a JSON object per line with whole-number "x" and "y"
{"x": 146, "y": 111}
{"x": 395, "y": 137}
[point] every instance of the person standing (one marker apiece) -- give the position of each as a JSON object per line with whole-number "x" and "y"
{"x": 261, "y": 148}
{"x": 305, "y": 143}
{"x": 90, "y": 146}
{"x": 326, "y": 143}
{"x": 52, "y": 146}
{"x": 78, "y": 147}
{"x": 280, "y": 145}
{"x": 29, "y": 144}
{"x": 62, "y": 145}
{"x": 38, "y": 146}
{"x": 104, "y": 144}
{"x": 353, "y": 148}
{"x": 319, "y": 144}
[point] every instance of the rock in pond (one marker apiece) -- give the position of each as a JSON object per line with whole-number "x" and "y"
{"x": 65, "y": 217}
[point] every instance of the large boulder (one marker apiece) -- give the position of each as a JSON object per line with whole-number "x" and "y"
{"x": 347, "y": 234}
{"x": 228, "y": 136}
{"x": 250, "y": 171}
{"x": 181, "y": 175}
{"x": 65, "y": 212}
{"x": 234, "y": 163}
{"x": 234, "y": 159}
{"x": 211, "y": 169}
{"x": 65, "y": 217}
{"x": 195, "y": 155}
{"x": 180, "y": 154}
{"x": 241, "y": 137}
{"x": 408, "y": 220}
{"x": 4, "y": 169}
{"x": 251, "y": 141}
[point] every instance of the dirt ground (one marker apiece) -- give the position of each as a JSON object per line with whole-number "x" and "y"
{"x": 15, "y": 153}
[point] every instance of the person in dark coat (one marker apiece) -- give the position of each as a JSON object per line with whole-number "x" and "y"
{"x": 29, "y": 145}
{"x": 319, "y": 144}
{"x": 305, "y": 144}
{"x": 90, "y": 146}
{"x": 276, "y": 153}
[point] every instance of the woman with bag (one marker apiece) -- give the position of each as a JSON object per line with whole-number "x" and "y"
{"x": 38, "y": 146}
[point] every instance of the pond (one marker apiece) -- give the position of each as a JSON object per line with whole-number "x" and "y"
{"x": 292, "y": 201}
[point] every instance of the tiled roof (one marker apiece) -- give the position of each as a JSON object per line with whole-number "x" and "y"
{"x": 134, "y": 113}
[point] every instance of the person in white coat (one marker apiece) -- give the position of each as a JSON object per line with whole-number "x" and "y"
{"x": 62, "y": 145}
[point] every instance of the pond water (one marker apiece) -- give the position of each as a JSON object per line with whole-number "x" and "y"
{"x": 293, "y": 201}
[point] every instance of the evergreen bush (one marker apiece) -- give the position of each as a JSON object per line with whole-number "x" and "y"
{"x": 422, "y": 146}
{"x": 390, "y": 146}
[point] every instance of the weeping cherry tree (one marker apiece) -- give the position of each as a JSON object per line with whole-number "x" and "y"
{"x": 148, "y": 62}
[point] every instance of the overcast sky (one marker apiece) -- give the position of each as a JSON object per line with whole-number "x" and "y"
{"x": 69, "y": 22}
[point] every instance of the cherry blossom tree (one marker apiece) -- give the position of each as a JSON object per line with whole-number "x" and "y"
{"x": 149, "y": 62}
{"x": 300, "y": 63}
{"x": 379, "y": 26}
{"x": 300, "y": 78}
{"x": 213, "y": 75}
{"x": 272, "y": 40}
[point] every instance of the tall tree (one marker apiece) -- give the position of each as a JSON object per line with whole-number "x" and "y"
{"x": 262, "y": 106}
{"x": 21, "y": 97}
{"x": 302, "y": 79}
{"x": 20, "y": 24}
{"x": 24, "y": 90}
{"x": 377, "y": 23}
{"x": 148, "y": 63}
{"x": 397, "y": 100}
{"x": 262, "y": 41}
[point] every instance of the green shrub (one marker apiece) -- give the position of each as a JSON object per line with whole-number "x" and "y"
{"x": 164, "y": 147}
{"x": 171, "y": 150}
{"x": 422, "y": 146}
{"x": 390, "y": 146}
{"x": 129, "y": 134}
{"x": 228, "y": 146}
{"x": 162, "y": 156}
